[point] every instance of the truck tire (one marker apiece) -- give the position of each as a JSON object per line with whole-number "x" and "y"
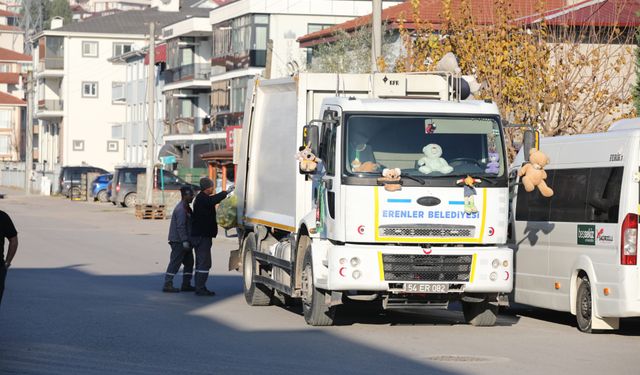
{"x": 480, "y": 314}
{"x": 584, "y": 305}
{"x": 255, "y": 294}
{"x": 130, "y": 200}
{"x": 316, "y": 311}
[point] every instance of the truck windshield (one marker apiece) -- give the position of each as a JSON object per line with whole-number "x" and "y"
{"x": 424, "y": 146}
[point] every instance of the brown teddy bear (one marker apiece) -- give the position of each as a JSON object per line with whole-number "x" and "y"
{"x": 533, "y": 174}
{"x": 367, "y": 166}
{"x": 391, "y": 179}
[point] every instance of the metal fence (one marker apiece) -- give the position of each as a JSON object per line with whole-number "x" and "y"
{"x": 12, "y": 174}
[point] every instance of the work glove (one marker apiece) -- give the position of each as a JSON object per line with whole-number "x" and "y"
{"x": 186, "y": 245}
{"x": 231, "y": 189}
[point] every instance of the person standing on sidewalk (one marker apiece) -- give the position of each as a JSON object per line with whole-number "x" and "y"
{"x": 8, "y": 231}
{"x": 180, "y": 242}
{"x": 205, "y": 228}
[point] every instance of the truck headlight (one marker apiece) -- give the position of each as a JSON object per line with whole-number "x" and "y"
{"x": 495, "y": 263}
{"x": 356, "y": 274}
{"x": 493, "y": 276}
{"x": 355, "y": 261}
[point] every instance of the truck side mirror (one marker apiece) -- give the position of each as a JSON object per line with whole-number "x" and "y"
{"x": 530, "y": 140}
{"x": 308, "y": 152}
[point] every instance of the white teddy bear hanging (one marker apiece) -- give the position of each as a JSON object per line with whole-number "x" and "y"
{"x": 432, "y": 160}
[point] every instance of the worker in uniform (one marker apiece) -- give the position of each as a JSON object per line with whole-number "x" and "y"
{"x": 8, "y": 231}
{"x": 180, "y": 242}
{"x": 205, "y": 228}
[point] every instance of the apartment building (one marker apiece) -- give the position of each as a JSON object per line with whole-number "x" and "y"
{"x": 13, "y": 66}
{"x": 77, "y": 84}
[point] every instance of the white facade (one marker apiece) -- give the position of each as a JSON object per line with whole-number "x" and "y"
{"x": 134, "y": 130}
{"x": 75, "y": 105}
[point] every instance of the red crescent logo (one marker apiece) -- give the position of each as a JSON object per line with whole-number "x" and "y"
{"x": 341, "y": 271}
{"x": 427, "y": 251}
{"x": 361, "y": 229}
{"x": 507, "y": 272}
{"x": 491, "y": 231}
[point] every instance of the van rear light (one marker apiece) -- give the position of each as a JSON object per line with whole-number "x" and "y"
{"x": 118, "y": 188}
{"x": 629, "y": 240}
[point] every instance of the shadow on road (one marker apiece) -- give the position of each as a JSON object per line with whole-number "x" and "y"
{"x": 628, "y": 326}
{"x": 66, "y": 321}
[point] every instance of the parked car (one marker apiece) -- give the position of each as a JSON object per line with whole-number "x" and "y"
{"x": 99, "y": 187}
{"x": 125, "y": 184}
{"x": 70, "y": 178}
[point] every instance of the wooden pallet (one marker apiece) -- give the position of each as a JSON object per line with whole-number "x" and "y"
{"x": 151, "y": 211}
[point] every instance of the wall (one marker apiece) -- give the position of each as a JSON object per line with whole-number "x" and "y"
{"x": 12, "y": 41}
{"x": 91, "y": 119}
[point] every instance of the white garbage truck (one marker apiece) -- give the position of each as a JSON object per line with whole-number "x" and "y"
{"x": 381, "y": 187}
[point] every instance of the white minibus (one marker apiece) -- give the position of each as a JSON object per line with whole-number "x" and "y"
{"x": 577, "y": 251}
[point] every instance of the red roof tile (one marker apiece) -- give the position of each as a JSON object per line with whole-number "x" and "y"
{"x": 9, "y": 55}
{"x": 10, "y": 78}
{"x": 8, "y": 99}
{"x": 621, "y": 13}
{"x": 9, "y": 28}
{"x": 483, "y": 13}
{"x": 6, "y": 13}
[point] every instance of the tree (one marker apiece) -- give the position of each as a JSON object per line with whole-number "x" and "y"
{"x": 636, "y": 88}
{"x": 561, "y": 79}
{"x": 57, "y": 8}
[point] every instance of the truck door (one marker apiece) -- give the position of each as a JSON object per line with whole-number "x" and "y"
{"x": 331, "y": 181}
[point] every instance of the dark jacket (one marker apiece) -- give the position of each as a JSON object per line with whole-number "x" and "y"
{"x": 204, "y": 214}
{"x": 180, "y": 227}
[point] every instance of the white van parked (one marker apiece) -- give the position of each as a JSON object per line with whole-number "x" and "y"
{"x": 577, "y": 251}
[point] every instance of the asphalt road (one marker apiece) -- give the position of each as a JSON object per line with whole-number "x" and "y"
{"x": 83, "y": 297}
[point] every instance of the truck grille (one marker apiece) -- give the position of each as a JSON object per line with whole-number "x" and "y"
{"x": 406, "y": 267}
{"x": 427, "y": 230}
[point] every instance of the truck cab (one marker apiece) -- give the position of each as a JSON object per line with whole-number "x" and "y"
{"x": 408, "y": 203}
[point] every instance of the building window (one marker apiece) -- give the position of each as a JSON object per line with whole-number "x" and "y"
{"x": 245, "y": 38}
{"x": 78, "y": 145}
{"x": 312, "y": 28}
{"x": 113, "y": 146}
{"x": 121, "y": 48}
{"x": 89, "y": 89}
{"x": 90, "y": 49}
{"x": 118, "y": 90}
{"x": 5, "y": 119}
{"x": 5, "y": 145}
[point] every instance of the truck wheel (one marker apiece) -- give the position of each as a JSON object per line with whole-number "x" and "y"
{"x": 584, "y": 306}
{"x": 480, "y": 314}
{"x": 316, "y": 311}
{"x": 130, "y": 200}
{"x": 255, "y": 294}
{"x": 102, "y": 196}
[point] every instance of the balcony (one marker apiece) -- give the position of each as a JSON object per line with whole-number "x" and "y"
{"x": 51, "y": 66}
{"x": 50, "y": 109}
{"x": 184, "y": 125}
{"x": 189, "y": 75}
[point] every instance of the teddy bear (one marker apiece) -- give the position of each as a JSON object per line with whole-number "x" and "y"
{"x": 391, "y": 179}
{"x": 432, "y": 161}
{"x": 367, "y": 166}
{"x": 308, "y": 161}
{"x": 533, "y": 174}
{"x": 493, "y": 166}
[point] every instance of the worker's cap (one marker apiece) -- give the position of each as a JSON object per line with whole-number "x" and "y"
{"x": 205, "y": 183}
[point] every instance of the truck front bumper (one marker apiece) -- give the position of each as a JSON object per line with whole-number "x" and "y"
{"x": 391, "y": 268}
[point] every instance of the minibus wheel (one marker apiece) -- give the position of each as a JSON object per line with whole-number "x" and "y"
{"x": 584, "y": 306}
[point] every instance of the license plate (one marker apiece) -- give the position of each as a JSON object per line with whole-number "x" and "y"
{"x": 426, "y": 288}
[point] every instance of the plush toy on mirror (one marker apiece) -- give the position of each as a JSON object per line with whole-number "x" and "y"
{"x": 533, "y": 174}
{"x": 308, "y": 161}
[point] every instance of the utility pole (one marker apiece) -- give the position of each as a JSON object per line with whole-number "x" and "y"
{"x": 28, "y": 160}
{"x": 151, "y": 96}
{"x": 376, "y": 37}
